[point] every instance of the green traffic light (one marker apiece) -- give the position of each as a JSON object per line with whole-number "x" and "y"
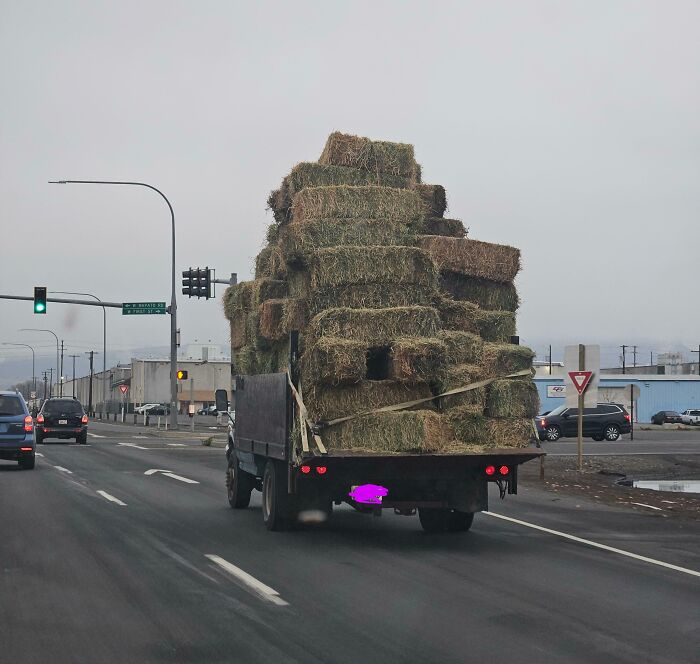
{"x": 39, "y": 307}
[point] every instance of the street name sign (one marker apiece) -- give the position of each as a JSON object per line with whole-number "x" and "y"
{"x": 139, "y": 308}
{"x": 580, "y": 380}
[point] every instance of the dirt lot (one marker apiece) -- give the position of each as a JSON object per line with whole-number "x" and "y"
{"x": 600, "y": 477}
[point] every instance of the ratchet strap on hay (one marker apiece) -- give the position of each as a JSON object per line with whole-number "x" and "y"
{"x": 417, "y": 402}
{"x": 304, "y": 421}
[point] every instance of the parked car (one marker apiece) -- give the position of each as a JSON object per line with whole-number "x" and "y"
{"x": 607, "y": 421}
{"x": 666, "y": 417}
{"x": 157, "y": 409}
{"x": 144, "y": 407}
{"x": 62, "y": 417}
{"x": 16, "y": 430}
{"x": 691, "y": 416}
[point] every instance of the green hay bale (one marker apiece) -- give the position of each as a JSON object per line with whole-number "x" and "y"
{"x": 272, "y": 320}
{"x": 461, "y": 375}
{"x": 299, "y": 241}
{"x": 299, "y": 283}
{"x": 373, "y": 156}
{"x": 472, "y": 427}
{"x": 393, "y": 205}
{"x": 371, "y": 296}
{"x": 482, "y": 260}
{"x": 416, "y": 360}
{"x": 310, "y": 174}
{"x": 254, "y": 334}
{"x": 487, "y": 294}
{"x": 295, "y": 314}
{"x": 434, "y": 197}
{"x": 459, "y": 316}
{"x": 375, "y": 326}
{"x": 237, "y": 299}
{"x": 512, "y": 398}
{"x": 439, "y": 226}
{"x": 244, "y": 360}
{"x": 462, "y": 347}
{"x": 328, "y": 403}
{"x": 504, "y": 359}
{"x": 238, "y": 332}
{"x": 343, "y": 266}
{"x": 334, "y": 362}
{"x": 496, "y": 326}
{"x": 273, "y": 359}
{"x": 420, "y": 431}
{"x": 268, "y": 289}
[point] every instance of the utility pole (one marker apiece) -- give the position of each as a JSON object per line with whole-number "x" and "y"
{"x": 73, "y": 381}
{"x": 60, "y": 377}
{"x": 624, "y": 348}
{"x": 550, "y": 359}
{"x": 92, "y": 355}
{"x": 46, "y": 378}
{"x": 634, "y": 356}
{"x": 698, "y": 352}
{"x": 651, "y": 358}
{"x": 51, "y": 382}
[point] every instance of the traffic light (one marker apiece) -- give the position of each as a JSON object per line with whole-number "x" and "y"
{"x": 39, "y": 299}
{"x": 197, "y": 282}
{"x": 181, "y": 374}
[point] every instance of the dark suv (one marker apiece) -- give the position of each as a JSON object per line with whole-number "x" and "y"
{"x": 62, "y": 418}
{"x": 605, "y": 422}
{"x": 16, "y": 430}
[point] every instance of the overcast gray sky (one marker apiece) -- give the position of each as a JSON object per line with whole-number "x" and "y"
{"x": 568, "y": 129}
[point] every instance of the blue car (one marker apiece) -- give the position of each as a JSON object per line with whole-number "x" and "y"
{"x": 16, "y": 430}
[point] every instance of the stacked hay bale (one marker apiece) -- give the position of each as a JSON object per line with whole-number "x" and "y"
{"x": 393, "y": 303}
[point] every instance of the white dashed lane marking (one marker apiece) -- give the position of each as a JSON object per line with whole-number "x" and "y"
{"x": 111, "y": 498}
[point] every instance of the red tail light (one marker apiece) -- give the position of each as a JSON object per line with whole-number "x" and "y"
{"x": 544, "y": 423}
{"x": 28, "y": 422}
{"x": 321, "y": 470}
{"x": 504, "y": 470}
{"x": 40, "y": 419}
{"x": 306, "y": 469}
{"x": 25, "y": 449}
{"x": 627, "y": 417}
{"x": 84, "y": 419}
{"x": 490, "y": 470}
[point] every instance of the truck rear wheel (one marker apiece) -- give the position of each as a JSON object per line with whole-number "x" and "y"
{"x": 460, "y": 521}
{"x": 239, "y": 484}
{"x": 277, "y": 504}
{"x": 444, "y": 520}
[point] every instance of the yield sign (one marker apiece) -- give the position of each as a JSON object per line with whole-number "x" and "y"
{"x": 123, "y": 389}
{"x": 580, "y": 379}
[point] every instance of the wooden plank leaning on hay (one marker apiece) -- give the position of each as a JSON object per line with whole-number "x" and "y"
{"x": 411, "y": 404}
{"x": 304, "y": 421}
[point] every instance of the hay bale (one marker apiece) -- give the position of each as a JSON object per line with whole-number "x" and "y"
{"x": 244, "y": 360}
{"x": 461, "y": 375}
{"x": 373, "y": 156}
{"x": 472, "y": 427}
{"x": 328, "y": 403}
{"x": 237, "y": 299}
{"x": 239, "y": 337}
{"x": 311, "y": 174}
{"x": 512, "y": 398}
{"x": 497, "y": 326}
{"x": 272, "y": 320}
{"x": 299, "y": 241}
{"x": 434, "y": 197}
{"x": 504, "y": 359}
{"x": 439, "y": 226}
{"x": 270, "y": 264}
{"x": 460, "y": 316}
{"x": 483, "y": 260}
{"x": 420, "y": 431}
{"x": 416, "y": 360}
{"x": 487, "y": 294}
{"x": 267, "y": 289}
{"x": 342, "y": 202}
{"x": 462, "y": 347}
{"x": 342, "y": 266}
{"x": 370, "y": 296}
{"x": 378, "y": 327}
{"x": 295, "y": 314}
{"x": 334, "y": 362}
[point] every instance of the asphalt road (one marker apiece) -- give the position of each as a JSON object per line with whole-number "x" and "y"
{"x": 88, "y": 579}
{"x": 645, "y": 442}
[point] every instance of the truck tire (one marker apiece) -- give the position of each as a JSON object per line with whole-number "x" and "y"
{"x": 434, "y": 520}
{"x": 277, "y": 505}
{"x": 460, "y": 522}
{"x": 239, "y": 484}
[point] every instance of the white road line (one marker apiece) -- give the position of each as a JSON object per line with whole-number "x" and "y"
{"x": 596, "y": 545}
{"x": 38, "y": 454}
{"x": 106, "y": 495}
{"x": 63, "y": 470}
{"x": 177, "y": 444}
{"x": 258, "y": 587}
{"x": 141, "y": 437}
{"x": 153, "y": 471}
{"x": 95, "y": 435}
{"x": 138, "y": 447}
{"x": 651, "y": 507}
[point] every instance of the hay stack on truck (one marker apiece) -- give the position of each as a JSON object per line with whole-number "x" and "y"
{"x": 374, "y": 353}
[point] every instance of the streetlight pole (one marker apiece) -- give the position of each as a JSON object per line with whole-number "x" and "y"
{"x": 104, "y": 340}
{"x": 173, "y": 301}
{"x": 73, "y": 381}
{"x": 7, "y": 343}
{"x": 37, "y": 329}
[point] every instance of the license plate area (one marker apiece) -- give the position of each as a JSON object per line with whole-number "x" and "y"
{"x": 63, "y": 421}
